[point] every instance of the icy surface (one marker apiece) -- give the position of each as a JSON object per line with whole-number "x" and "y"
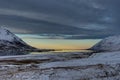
{"x": 108, "y": 44}
{"x": 61, "y": 66}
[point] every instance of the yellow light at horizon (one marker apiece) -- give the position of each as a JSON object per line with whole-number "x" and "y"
{"x": 61, "y": 43}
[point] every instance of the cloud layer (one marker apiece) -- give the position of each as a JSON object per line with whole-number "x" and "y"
{"x": 89, "y": 18}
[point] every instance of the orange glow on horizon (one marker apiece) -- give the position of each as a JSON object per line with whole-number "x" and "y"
{"x": 61, "y": 43}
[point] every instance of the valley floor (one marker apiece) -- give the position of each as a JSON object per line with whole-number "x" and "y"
{"x": 61, "y": 66}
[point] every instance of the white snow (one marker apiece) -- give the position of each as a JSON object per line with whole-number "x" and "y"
{"x": 106, "y": 55}
{"x": 9, "y": 36}
{"x": 111, "y": 43}
{"x": 10, "y": 42}
{"x": 63, "y": 66}
{"x": 98, "y": 58}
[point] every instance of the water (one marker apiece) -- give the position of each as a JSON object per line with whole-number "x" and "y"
{"x": 12, "y": 53}
{"x": 61, "y": 51}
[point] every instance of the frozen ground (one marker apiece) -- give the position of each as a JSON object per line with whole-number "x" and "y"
{"x": 64, "y": 66}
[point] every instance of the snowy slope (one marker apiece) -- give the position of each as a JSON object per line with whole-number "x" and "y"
{"x": 108, "y": 44}
{"x": 9, "y": 36}
{"x": 9, "y": 41}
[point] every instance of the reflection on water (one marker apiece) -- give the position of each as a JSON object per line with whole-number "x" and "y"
{"x": 70, "y": 50}
{"x": 12, "y": 53}
{"x": 61, "y": 51}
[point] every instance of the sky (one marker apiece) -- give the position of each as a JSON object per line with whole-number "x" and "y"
{"x": 61, "y": 19}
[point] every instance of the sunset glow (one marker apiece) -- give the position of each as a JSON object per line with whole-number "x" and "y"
{"x": 61, "y": 43}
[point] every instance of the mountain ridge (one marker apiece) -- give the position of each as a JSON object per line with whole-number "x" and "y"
{"x": 111, "y": 43}
{"x": 9, "y": 41}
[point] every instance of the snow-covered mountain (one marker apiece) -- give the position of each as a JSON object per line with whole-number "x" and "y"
{"x": 111, "y": 43}
{"x": 9, "y": 41}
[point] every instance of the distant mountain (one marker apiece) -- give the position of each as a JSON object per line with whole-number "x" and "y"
{"x": 9, "y": 41}
{"x": 111, "y": 43}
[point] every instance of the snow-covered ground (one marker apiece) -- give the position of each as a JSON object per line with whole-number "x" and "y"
{"x": 61, "y": 66}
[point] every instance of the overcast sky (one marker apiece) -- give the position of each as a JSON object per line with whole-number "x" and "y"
{"x": 75, "y": 18}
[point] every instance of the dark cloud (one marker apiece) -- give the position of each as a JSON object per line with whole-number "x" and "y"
{"x": 92, "y": 18}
